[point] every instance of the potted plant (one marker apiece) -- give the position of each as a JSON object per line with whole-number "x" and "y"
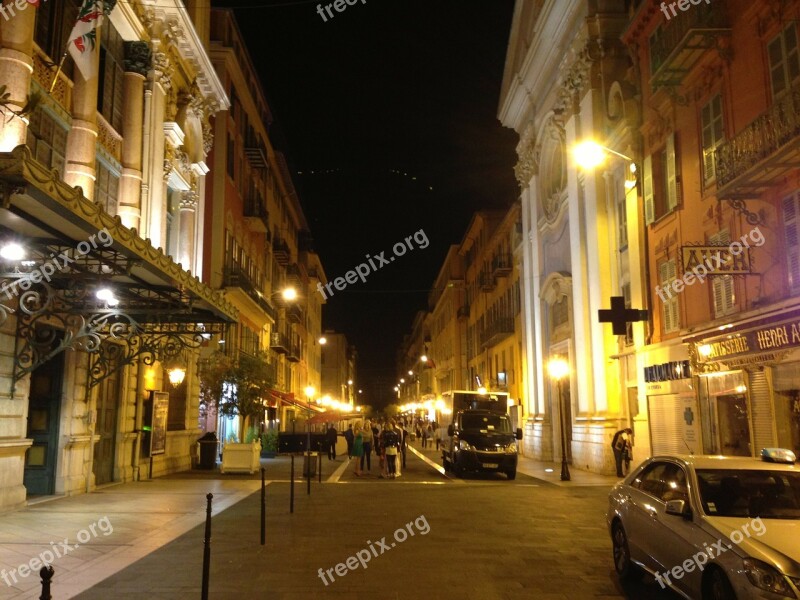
{"x": 269, "y": 444}
{"x": 236, "y": 387}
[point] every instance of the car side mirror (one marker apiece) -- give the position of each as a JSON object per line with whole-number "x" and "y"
{"x": 450, "y": 430}
{"x": 678, "y": 508}
{"x": 519, "y": 433}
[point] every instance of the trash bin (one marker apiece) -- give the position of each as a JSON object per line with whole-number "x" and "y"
{"x": 209, "y": 447}
{"x": 310, "y": 464}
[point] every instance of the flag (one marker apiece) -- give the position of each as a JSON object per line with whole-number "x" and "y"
{"x": 83, "y": 39}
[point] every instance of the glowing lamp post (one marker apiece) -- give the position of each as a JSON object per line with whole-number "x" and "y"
{"x": 558, "y": 370}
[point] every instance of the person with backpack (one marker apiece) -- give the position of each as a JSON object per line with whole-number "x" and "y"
{"x": 390, "y": 443}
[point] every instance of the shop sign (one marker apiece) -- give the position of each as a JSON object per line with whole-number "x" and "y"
{"x": 775, "y": 337}
{"x": 669, "y": 371}
{"x": 717, "y": 260}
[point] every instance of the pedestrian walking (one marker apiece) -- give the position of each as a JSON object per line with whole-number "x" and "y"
{"x": 390, "y": 444}
{"x": 619, "y": 445}
{"x": 424, "y": 436}
{"x": 330, "y": 437}
{"x": 358, "y": 447}
{"x": 349, "y": 436}
{"x": 403, "y": 443}
{"x": 368, "y": 437}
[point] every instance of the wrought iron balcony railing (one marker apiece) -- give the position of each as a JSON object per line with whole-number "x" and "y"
{"x": 501, "y": 265}
{"x": 497, "y": 331}
{"x": 763, "y": 151}
{"x": 256, "y": 215}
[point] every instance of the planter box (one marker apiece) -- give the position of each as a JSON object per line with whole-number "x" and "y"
{"x": 241, "y": 458}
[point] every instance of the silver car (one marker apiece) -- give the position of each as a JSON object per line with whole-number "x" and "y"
{"x": 711, "y": 527}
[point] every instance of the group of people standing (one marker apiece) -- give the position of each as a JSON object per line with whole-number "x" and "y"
{"x": 387, "y": 438}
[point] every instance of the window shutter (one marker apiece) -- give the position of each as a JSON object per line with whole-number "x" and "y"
{"x": 649, "y": 196}
{"x": 791, "y": 227}
{"x": 672, "y": 174}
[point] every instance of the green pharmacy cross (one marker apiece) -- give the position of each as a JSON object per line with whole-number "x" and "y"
{"x": 619, "y": 316}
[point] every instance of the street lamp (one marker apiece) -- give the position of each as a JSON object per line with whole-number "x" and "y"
{"x": 558, "y": 369}
{"x": 590, "y": 155}
{"x": 289, "y": 294}
{"x": 323, "y": 340}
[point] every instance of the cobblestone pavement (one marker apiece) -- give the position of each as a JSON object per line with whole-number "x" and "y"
{"x": 482, "y": 538}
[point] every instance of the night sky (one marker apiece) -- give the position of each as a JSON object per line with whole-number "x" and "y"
{"x": 387, "y": 114}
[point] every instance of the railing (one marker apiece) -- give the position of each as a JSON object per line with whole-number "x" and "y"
{"x": 702, "y": 16}
{"x": 760, "y": 139}
{"x": 279, "y": 342}
{"x": 294, "y": 313}
{"x": 497, "y": 330}
{"x": 280, "y": 249}
{"x": 254, "y": 208}
{"x": 463, "y": 312}
{"x": 501, "y": 265}
{"x": 234, "y": 276}
{"x": 486, "y": 281}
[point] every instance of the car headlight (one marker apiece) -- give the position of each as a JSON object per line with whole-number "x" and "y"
{"x": 512, "y": 448}
{"x": 766, "y": 577}
{"x": 465, "y": 445}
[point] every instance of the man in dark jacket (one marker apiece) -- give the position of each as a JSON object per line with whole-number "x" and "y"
{"x": 330, "y": 437}
{"x": 350, "y": 437}
{"x": 619, "y": 444}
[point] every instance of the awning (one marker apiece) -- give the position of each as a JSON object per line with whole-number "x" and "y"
{"x": 160, "y": 308}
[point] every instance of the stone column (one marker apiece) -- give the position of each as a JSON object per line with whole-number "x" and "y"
{"x": 153, "y": 216}
{"x": 82, "y": 137}
{"x": 16, "y": 67}
{"x": 188, "y": 208}
{"x": 137, "y": 63}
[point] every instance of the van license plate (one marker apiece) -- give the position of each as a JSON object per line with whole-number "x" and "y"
{"x": 490, "y": 465}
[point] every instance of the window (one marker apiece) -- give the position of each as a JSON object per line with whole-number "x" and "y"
{"x": 661, "y": 182}
{"x": 47, "y": 140}
{"x": 110, "y": 94}
{"x": 176, "y": 411}
{"x": 106, "y": 188}
{"x": 712, "y": 135}
{"x": 784, "y": 64}
{"x": 667, "y": 273}
{"x": 651, "y": 479}
{"x": 791, "y": 231}
{"x": 54, "y": 22}
{"x": 173, "y": 222}
{"x": 231, "y": 157}
{"x": 626, "y": 293}
{"x": 622, "y": 213}
{"x": 722, "y": 285}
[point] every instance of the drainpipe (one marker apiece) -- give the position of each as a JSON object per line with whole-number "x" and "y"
{"x": 92, "y": 418}
{"x": 137, "y": 420}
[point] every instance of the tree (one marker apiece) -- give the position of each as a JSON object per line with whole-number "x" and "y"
{"x": 236, "y": 387}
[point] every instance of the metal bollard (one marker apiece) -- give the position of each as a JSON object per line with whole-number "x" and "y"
{"x": 46, "y": 573}
{"x": 291, "y": 489}
{"x": 263, "y": 507}
{"x": 207, "y": 548}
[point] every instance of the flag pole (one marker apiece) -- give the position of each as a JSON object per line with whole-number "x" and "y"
{"x": 58, "y": 71}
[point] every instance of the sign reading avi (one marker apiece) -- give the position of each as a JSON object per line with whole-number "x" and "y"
{"x": 718, "y": 260}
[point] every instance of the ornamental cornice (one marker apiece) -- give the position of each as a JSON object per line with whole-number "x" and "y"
{"x": 528, "y": 162}
{"x": 19, "y": 167}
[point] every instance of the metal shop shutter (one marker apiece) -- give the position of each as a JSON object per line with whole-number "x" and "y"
{"x": 666, "y": 424}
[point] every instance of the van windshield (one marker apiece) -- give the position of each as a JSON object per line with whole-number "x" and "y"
{"x": 485, "y": 423}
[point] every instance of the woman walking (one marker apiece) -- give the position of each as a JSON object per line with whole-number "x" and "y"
{"x": 390, "y": 443}
{"x": 358, "y": 447}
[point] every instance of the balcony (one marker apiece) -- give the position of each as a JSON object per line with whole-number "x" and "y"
{"x": 684, "y": 39}
{"x": 486, "y": 282}
{"x": 761, "y": 153}
{"x": 501, "y": 265}
{"x": 233, "y": 276}
{"x": 294, "y": 352}
{"x": 255, "y": 214}
{"x": 280, "y": 249}
{"x": 256, "y": 153}
{"x": 294, "y": 276}
{"x": 497, "y": 331}
{"x": 463, "y": 312}
{"x": 294, "y": 313}
{"x": 279, "y": 343}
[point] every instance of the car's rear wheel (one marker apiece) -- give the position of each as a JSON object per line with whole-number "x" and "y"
{"x": 717, "y": 587}
{"x": 622, "y": 554}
